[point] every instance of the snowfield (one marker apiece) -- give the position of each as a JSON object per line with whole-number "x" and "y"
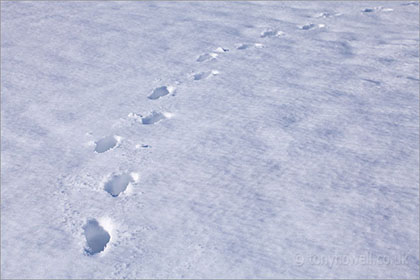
{"x": 209, "y": 139}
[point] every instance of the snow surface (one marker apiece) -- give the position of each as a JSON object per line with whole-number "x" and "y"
{"x": 299, "y": 159}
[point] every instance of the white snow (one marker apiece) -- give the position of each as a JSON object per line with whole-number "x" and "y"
{"x": 294, "y": 153}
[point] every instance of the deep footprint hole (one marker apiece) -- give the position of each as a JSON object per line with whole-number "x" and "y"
{"x": 118, "y": 184}
{"x": 159, "y": 92}
{"x": 96, "y": 237}
{"x": 106, "y": 144}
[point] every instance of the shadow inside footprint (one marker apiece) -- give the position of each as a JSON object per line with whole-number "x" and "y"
{"x": 206, "y": 57}
{"x": 308, "y": 26}
{"x": 160, "y": 92}
{"x": 106, "y": 144}
{"x": 368, "y": 10}
{"x": 243, "y": 46}
{"x": 118, "y": 184}
{"x": 153, "y": 117}
{"x": 271, "y": 33}
{"x": 96, "y": 237}
{"x": 204, "y": 75}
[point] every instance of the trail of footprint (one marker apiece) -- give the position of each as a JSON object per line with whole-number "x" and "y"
{"x": 204, "y": 75}
{"x": 161, "y": 91}
{"x": 152, "y": 118}
{"x": 96, "y": 236}
{"x": 107, "y": 143}
{"x": 118, "y": 184}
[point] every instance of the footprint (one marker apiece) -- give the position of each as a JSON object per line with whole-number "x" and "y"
{"x": 107, "y": 143}
{"x": 311, "y": 26}
{"x": 412, "y": 3}
{"x": 271, "y": 33}
{"x": 368, "y": 10}
{"x": 207, "y": 57}
{"x": 152, "y": 118}
{"x": 96, "y": 237}
{"x": 155, "y": 117}
{"x": 243, "y": 46}
{"x": 204, "y": 75}
{"x": 118, "y": 184}
{"x": 221, "y": 50}
{"x": 377, "y": 9}
{"x": 246, "y": 46}
{"x": 322, "y": 15}
{"x": 161, "y": 91}
{"x": 326, "y": 15}
{"x": 307, "y": 26}
{"x": 144, "y": 146}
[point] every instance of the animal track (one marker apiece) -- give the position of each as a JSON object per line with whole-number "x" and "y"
{"x": 96, "y": 237}
{"x": 152, "y": 118}
{"x": 119, "y": 183}
{"x": 207, "y": 57}
{"x": 161, "y": 91}
{"x": 107, "y": 143}
{"x": 271, "y": 33}
{"x": 204, "y": 75}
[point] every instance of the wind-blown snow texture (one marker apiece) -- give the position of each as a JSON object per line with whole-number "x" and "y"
{"x": 300, "y": 158}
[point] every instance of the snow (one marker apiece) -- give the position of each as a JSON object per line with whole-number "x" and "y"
{"x": 289, "y": 149}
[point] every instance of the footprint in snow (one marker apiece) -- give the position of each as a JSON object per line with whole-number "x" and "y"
{"x": 152, "y": 118}
{"x": 204, "y": 75}
{"x": 245, "y": 46}
{"x": 161, "y": 91}
{"x": 206, "y": 57}
{"x": 368, "y": 10}
{"x": 377, "y": 9}
{"x": 144, "y": 146}
{"x": 311, "y": 26}
{"x": 325, "y": 15}
{"x": 107, "y": 143}
{"x": 271, "y": 33}
{"x": 96, "y": 237}
{"x": 118, "y": 184}
{"x": 412, "y": 3}
{"x": 221, "y": 50}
